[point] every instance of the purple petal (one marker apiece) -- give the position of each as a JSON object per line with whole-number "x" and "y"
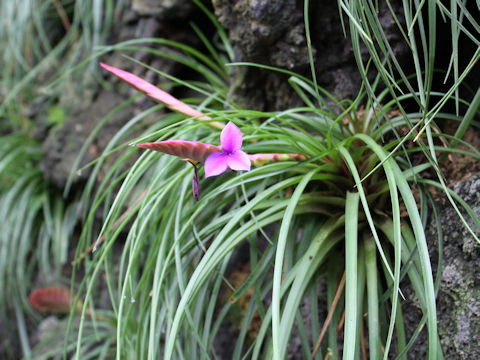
{"x": 231, "y": 138}
{"x": 216, "y": 164}
{"x": 239, "y": 160}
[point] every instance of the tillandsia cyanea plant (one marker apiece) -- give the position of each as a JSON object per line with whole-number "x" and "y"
{"x": 338, "y": 206}
{"x": 328, "y": 210}
{"x": 216, "y": 159}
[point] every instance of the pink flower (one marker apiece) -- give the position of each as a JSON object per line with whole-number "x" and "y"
{"x": 231, "y": 156}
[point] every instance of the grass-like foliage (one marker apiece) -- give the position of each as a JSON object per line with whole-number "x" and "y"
{"x": 350, "y": 212}
{"x": 332, "y": 214}
{"x": 36, "y": 228}
{"x": 42, "y": 43}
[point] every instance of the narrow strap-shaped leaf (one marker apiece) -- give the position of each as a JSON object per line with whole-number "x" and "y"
{"x": 372, "y": 295}
{"x": 278, "y": 347}
{"x": 352, "y": 167}
{"x": 299, "y": 276}
{"x": 351, "y": 253}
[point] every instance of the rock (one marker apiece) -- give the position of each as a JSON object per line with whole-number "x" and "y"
{"x": 266, "y": 32}
{"x": 458, "y": 299}
{"x": 63, "y": 144}
{"x": 273, "y": 33}
{"x": 458, "y": 305}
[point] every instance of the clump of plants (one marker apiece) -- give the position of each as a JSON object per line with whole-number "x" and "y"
{"x": 328, "y": 193}
{"x": 331, "y": 194}
{"x": 42, "y": 44}
{"x": 37, "y": 225}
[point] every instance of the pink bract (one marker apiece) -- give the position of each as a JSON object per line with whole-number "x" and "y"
{"x": 193, "y": 150}
{"x": 155, "y": 93}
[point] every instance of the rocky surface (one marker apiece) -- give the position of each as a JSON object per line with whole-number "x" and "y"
{"x": 63, "y": 145}
{"x": 458, "y": 304}
{"x": 458, "y": 299}
{"x": 273, "y": 33}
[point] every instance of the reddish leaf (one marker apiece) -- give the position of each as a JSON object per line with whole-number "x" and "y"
{"x": 193, "y": 150}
